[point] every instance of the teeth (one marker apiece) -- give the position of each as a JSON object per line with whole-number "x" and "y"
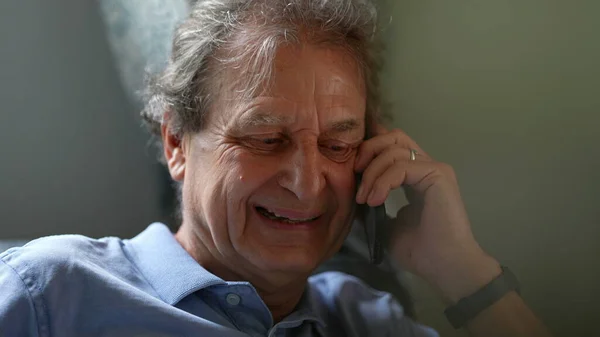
{"x": 275, "y": 216}
{"x": 281, "y": 216}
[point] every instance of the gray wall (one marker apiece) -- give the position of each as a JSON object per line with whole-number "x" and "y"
{"x": 73, "y": 156}
{"x": 508, "y": 92}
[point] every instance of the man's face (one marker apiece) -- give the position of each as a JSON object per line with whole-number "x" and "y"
{"x": 269, "y": 184}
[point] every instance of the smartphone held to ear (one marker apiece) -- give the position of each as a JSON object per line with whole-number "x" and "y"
{"x": 375, "y": 221}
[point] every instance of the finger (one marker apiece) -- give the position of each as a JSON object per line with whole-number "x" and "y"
{"x": 374, "y": 146}
{"x": 377, "y": 167}
{"x": 379, "y": 129}
{"x": 418, "y": 175}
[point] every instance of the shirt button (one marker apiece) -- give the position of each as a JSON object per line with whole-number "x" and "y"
{"x": 232, "y": 299}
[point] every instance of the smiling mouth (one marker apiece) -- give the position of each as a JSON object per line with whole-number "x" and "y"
{"x": 270, "y": 215}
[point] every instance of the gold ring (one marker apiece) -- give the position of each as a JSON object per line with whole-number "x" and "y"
{"x": 413, "y": 154}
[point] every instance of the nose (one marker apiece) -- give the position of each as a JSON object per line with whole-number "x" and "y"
{"x": 304, "y": 173}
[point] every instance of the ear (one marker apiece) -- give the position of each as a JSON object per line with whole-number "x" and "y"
{"x": 173, "y": 151}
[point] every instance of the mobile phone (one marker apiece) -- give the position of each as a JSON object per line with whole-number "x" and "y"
{"x": 374, "y": 221}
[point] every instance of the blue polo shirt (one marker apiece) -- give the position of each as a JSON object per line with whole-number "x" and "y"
{"x": 71, "y": 285}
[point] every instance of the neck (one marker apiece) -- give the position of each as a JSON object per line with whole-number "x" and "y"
{"x": 282, "y": 301}
{"x": 281, "y": 292}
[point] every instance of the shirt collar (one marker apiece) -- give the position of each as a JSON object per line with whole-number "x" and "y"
{"x": 309, "y": 308}
{"x": 169, "y": 269}
{"x": 174, "y": 274}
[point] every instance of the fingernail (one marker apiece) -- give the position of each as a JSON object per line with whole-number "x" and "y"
{"x": 359, "y": 194}
{"x": 371, "y": 195}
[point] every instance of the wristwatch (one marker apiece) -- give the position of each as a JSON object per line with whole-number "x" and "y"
{"x": 469, "y": 307}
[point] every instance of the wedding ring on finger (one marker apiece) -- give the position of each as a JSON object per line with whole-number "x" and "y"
{"x": 413, "y": 154}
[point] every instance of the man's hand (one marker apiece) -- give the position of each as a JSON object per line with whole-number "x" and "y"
{"x": 432, "y": 235}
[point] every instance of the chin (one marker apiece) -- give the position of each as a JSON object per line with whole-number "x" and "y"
{"x": 294, "y": 260}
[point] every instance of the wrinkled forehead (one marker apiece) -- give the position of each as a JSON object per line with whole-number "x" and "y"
{"x": 328, "y": 69}
{"x": 245, "y": 75}
{"x": 326, "y": 76}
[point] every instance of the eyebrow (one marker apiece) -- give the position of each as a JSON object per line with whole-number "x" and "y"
{"x": 345, "y": 125}
{"x": 263, "y": 119}
{"x": 254, "y": 119}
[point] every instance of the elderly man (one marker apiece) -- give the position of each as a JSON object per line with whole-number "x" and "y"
{"x": 267, "y": 113}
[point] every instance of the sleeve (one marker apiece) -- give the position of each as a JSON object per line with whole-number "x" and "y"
{"x": 363, "y": 311}
{"x": 382, "y": 315}
{"x": 403, "y": 325}
{"x": 17, "y": 310}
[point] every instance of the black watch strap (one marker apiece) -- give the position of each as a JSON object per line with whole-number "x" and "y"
{"x": 469, "y": 307}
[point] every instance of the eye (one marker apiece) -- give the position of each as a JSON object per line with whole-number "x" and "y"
{"x": 336, "y": 150}
{"x": 271, "y": 141}
{"x": 266, "y": 142}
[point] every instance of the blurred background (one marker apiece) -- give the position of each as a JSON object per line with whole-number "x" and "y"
{"x": 508, "y": 92}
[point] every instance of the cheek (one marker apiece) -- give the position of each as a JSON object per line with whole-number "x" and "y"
{"x": 212, "y": 176}
{"x": 246, "y": 172}
{"x": 343, "y": 182}
{"x": 255, "y": 170}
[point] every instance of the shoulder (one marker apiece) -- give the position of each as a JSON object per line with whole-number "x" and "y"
{"x": 62, "y": 258}
{"x": 61, "y": 251}
{"x": 48, "y": 275}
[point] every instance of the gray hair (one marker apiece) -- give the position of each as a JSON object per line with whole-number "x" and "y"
{"x": 244, "y": 35}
